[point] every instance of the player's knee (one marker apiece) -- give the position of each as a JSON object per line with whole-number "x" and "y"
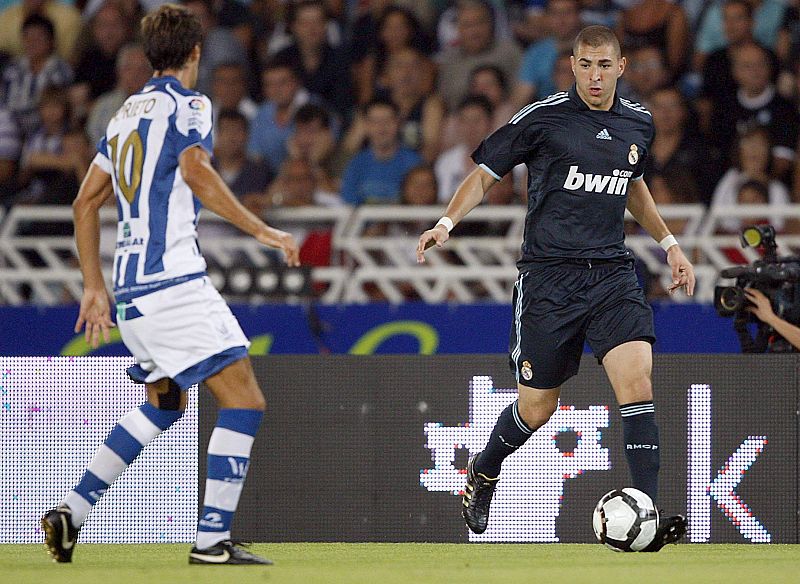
{"x": 260, "y": 403}
{"x": 254, "y": 400}
{"x": 639, "y": 389}
{"x": 536, "y": 414}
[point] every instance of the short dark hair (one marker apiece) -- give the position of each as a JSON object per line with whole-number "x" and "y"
{"x": 281, "y": 63}
{"x": 477, "y": 101}
{"x": 597, "y": 36}
{"x": 169, "y": 35}
{"x": 497, "y": 72}
{"x": 232, "y": 115}
{"x": 381, "y": 102}
{"x": 37, "y": 20}
{"x": 312, "y": 112}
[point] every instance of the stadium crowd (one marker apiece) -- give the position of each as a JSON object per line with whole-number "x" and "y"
{"x": 331, "y": 102}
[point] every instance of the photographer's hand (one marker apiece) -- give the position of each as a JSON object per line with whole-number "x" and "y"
{"x": 762, "y": 307}
{"x": 682, "y": 271}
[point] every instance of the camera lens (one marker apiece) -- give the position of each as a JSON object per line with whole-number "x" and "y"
{"x": 732, "y": 299}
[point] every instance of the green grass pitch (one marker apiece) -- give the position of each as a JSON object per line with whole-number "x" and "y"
{"x": 335, "y": 563}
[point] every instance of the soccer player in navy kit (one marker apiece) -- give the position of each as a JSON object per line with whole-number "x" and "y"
{"x": 585, "y": 150}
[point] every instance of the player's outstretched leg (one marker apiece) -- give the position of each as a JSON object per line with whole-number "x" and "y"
{"x": 670, "y": 530}
{"x": 241, "y": 409}
{"x": 127, "y": 439}
{"x": 510, "y": 432}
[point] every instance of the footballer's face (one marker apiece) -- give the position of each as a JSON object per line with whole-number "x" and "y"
{"x": 596, "y": 72}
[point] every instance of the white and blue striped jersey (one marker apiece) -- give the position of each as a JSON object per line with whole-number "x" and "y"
{"x": 157, "y": 230}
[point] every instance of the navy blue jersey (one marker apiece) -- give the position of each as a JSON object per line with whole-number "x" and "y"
{"x": 580, "y": 163}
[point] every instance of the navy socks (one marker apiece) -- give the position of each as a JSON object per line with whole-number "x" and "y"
{"x": 640, "y": 437}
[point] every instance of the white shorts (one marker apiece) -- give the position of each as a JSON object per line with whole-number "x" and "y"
{"x": 185, "y": 332}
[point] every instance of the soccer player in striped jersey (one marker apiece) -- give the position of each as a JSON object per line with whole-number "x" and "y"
{"x": 155, "y": 160}
{"x": 585, "y": 150}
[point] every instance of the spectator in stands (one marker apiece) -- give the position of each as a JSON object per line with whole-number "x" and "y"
{"x": 283, "y": 95}
{"x": 65, "y": 18}
{"x": 297, "y": 186}
{"x": 737, "y": 23}
{"x": 535, "y": 79}
{"x": 313, "y": 140}
{"x": 229, "y": 91}
{"x": 220, "y": 44}
{"x": 54, "y": 159}
{"x": 397, "y": 28}
{"x": 474, "y": 123}
{"x": 768, "y": 17}
{"x": 646, "y": 72}
{"x": 679, "y": 154}
{"x": 756, "y": 102}
{"x": 421, "y": 113}
{"x": 133, "y": 71}
{"x": 751, "y": 162}
{"x": 323, "y": 70}
{"x": 10, "y": 146}
{"x": 419, "y": 188}
{"x": 658, "y": 23}
{"x": 38, "y": 67}
{"x": 452, "y": 167}
{"x": 601, "y": 12}
{"x": 563, "y": 77}
{"x": 476, "y": 46}
{"x": 236, "y": 17}
{"x": 96, "y": 68}
{"x": 375, "y": 174}
{"x": 243, "y": 175}
{"x": 490, "y": 82}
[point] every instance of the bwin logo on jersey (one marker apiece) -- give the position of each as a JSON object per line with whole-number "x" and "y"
{"x": 614, "y": 184}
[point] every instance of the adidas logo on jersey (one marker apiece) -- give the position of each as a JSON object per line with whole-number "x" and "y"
{"x": 614, "y": 184}
{"x": 603, "y": 135}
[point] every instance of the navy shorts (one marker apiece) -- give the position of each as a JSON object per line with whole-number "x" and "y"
{"x": 557, "y": 307}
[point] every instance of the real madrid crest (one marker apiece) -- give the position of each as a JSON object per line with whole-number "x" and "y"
{"x": 633, "y": 155}
{"x": 526, "y": 371}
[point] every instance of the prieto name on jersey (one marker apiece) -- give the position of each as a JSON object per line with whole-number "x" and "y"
{"x": 615, "y": 183}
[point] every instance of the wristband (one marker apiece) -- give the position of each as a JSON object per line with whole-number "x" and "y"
{"x": 668, "y": 242}
{"x": 446, "y": 222}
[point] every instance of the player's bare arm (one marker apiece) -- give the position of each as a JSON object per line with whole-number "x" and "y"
{"x": 95, "y": 311}
{"x": 643, "y": 208}
{"x": 208, "y": 186}
{"x": 468, "y": 195}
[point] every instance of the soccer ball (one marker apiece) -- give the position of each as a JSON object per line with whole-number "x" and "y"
{"x": 625, "y": 520}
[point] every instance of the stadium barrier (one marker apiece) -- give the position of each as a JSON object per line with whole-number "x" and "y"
{"x": 373, "y": 449}
{"x": 372, "y": 252}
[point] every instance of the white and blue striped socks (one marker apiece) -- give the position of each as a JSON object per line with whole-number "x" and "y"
{"x": 228, "y": 460}
{"x": 640, "y": 434}
{"x": 126, "y": 440}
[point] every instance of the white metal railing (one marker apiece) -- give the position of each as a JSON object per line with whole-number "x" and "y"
{"x": 373, "y": 250}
